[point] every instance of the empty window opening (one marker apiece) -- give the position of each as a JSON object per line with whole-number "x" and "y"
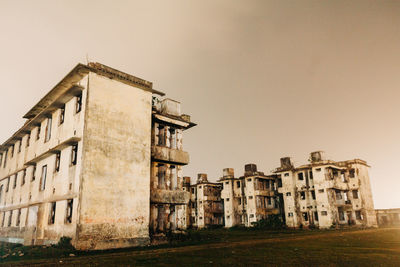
{"x": 52, "y": 213}
{"x": 8, "y": 184}
{"x": 324, "y": 213}
{"x": 33, "y": 173}
{"x": 352, "y": 173}
{"x": 305, "y": 216}
{"x": 58, "y": 161}
{"x": 359, "y": 215}
{"x": 311, "y": 175}
{"x": 62, "y": 115}
{"x": 238, "y": 184}
{"x": 300, "y": 176}
{"x": 342, "y": 177}
{"x": 23, "y": 177}
{"x": 78, "y": 106}
{"x": 286, "y": 174}
{"x": 48, "y": 129}
{"x": 302, "y": 195}
{"x": 161, "y": 135}
{"x": 15, "y": 180}
{"x": 318, "y": 169}
{"x": 288, "y": 194}
{"x": 38, "y": 132}
{"x": 315, "y": 215}
{"x": 74, "y": 154}
{"x": 5, "y": 159}
{"x": 10, "y": 218}
{"x": 341, "y": 215}
{"x": 313, "y": 194}
{"x": 18, "y": 218}
{"x": 43, "y": 178}
{"x": 28, "y": 139}
{"x": 355, "y": 194}
{"x": 68, "y": 217}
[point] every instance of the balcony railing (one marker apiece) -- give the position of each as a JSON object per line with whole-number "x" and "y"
{"x": 169, "y": 155}
{"x": 169, "y": 196}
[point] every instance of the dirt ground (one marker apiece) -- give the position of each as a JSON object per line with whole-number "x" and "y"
{"x": 376, "y": 247}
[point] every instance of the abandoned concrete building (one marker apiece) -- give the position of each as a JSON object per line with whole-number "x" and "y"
{"x": 249, "y": 198}
{"x": 98, "y": 160}
{"x": 326, "y": 193}
{"x": 388, "y": 217}
{"x": 205, "y": 203}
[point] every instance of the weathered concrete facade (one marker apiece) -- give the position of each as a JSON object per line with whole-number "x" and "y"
{"x": 388, "y": 217}
{"x": 326, "y": 193}
{"x": 169, "y": 197}
{"x": 250, "y": 198}
{"x": 205, "y": 203}
{"x": 83, "y": 164}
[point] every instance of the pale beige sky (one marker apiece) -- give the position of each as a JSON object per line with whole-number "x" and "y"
{"x": 263, "y": 79}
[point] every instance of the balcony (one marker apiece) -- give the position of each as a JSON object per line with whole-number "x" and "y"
{"x": 178, "y": 197}
{"x": 167, "y": 154}
{"x": 268, "y": 193}
{"x": 344, "y": 203}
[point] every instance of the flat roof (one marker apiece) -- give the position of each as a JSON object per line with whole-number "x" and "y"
{"x": 78, "y": 72}
{"x": 68, "y": 86}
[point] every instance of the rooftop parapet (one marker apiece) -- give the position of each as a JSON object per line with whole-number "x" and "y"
{"x": 171, "y": 107}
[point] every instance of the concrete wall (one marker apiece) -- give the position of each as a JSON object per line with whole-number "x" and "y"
{"x": 27, "y": 198}
{"x": 115, "y": 180}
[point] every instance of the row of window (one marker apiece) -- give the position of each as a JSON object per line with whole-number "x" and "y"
{"x": 42, "y": 184}
{"x": 325, "y": 213}
{"x": 300, "y": 175}
{"x": 51, "y": 219}
{"x": 338, "y": 194}
{"x": 78, "y": 108}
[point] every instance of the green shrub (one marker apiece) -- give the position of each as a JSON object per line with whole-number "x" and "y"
{"x": 273, "y": 222}
{"x": 65, "y": 243}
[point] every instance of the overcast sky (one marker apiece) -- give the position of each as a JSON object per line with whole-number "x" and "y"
{"x": 263, "y": 79}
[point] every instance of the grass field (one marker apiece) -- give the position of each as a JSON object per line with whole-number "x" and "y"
{"x": 239, "y": 247}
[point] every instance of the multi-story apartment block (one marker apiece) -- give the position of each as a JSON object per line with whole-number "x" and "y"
{"x": 250, "y": 198}
{"x": 205, "y": 203}
{"x": 98, "y": 160}
{"x": 326, "y": 193}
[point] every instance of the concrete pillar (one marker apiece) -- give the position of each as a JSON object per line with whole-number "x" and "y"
{"x": 179, "y": 137}
{"x": 180, "y": 177}
{"x": 167, "y": 177}
{"x": 167, "y": 136}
